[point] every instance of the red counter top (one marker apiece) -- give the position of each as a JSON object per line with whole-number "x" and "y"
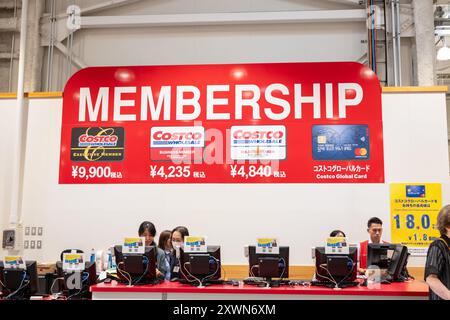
{"x": 412, "y": 288}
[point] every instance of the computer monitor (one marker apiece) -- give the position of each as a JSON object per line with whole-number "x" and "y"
{"x": 336, "y": 268}
{"x": 19, "y": 284}
{"x": 268, "y": 265}
{"x": 136, "y": 268}
{"x": 392, "y": 257}
{"x": 399, "y": 264}
{"x": 75, "y": 285}
{"x": 200, "y": 269}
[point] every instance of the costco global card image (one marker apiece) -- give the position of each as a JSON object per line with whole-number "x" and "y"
{"x": 415, "y": 191}
{"x": 97, "y": 144}
{"x": 341, "y": 142}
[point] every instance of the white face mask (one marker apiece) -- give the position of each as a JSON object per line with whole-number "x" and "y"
{"x": 177, "y": 245}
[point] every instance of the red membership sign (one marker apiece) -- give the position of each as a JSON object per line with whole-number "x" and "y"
{"x": 224, "y": 123}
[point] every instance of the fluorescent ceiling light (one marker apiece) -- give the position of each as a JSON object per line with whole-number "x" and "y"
{"x": 443, "y": 53}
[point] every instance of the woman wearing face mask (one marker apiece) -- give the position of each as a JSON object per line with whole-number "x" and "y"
{"x": 148, "y": 230}
{"x": 165, "y": 244}
{"x": 177, "y": 239}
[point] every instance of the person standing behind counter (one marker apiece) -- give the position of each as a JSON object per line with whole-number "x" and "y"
{"x": 375, "y": 231}
{"x": 148, "y": 230}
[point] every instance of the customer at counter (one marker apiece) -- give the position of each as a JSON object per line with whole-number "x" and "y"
{"x": 437, "y": 267}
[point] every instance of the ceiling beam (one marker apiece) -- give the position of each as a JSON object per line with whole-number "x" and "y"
{"x": 10, "y": 4}
{"x": 348, "y": 2}
{"x": 134, "y": 21}
{"x": 75, "y": 59}
{"x": 9, "y": 24}
{"x": 111, "y": 4}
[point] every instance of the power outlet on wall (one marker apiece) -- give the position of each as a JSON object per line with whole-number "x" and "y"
{"x": 9, "y": 239}
{"x": 13, "y": 239}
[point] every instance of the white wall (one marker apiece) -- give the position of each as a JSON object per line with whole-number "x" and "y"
{"x": 232, "y": 215}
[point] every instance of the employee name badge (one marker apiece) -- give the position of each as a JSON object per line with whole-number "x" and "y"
{"x": 267, "y": 246}
{"x": 133, "y": 245}
{"x": 73, "y": 262}
{"x": 14, "y": 262}
{"x": 195, "y": 244}
{"x": 336, "y": 245}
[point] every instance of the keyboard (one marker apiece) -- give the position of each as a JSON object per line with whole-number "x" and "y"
{"x": 330, "y": 284}
{"x": 261, "y": 282}
{"x": 253, "y": 280}
{"x": 205, "y": 283}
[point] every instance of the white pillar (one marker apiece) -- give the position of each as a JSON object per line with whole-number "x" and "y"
{"x": 425, "y": 55}
{"x": 19, "y": 145}
{"x": 35, "y": 56}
